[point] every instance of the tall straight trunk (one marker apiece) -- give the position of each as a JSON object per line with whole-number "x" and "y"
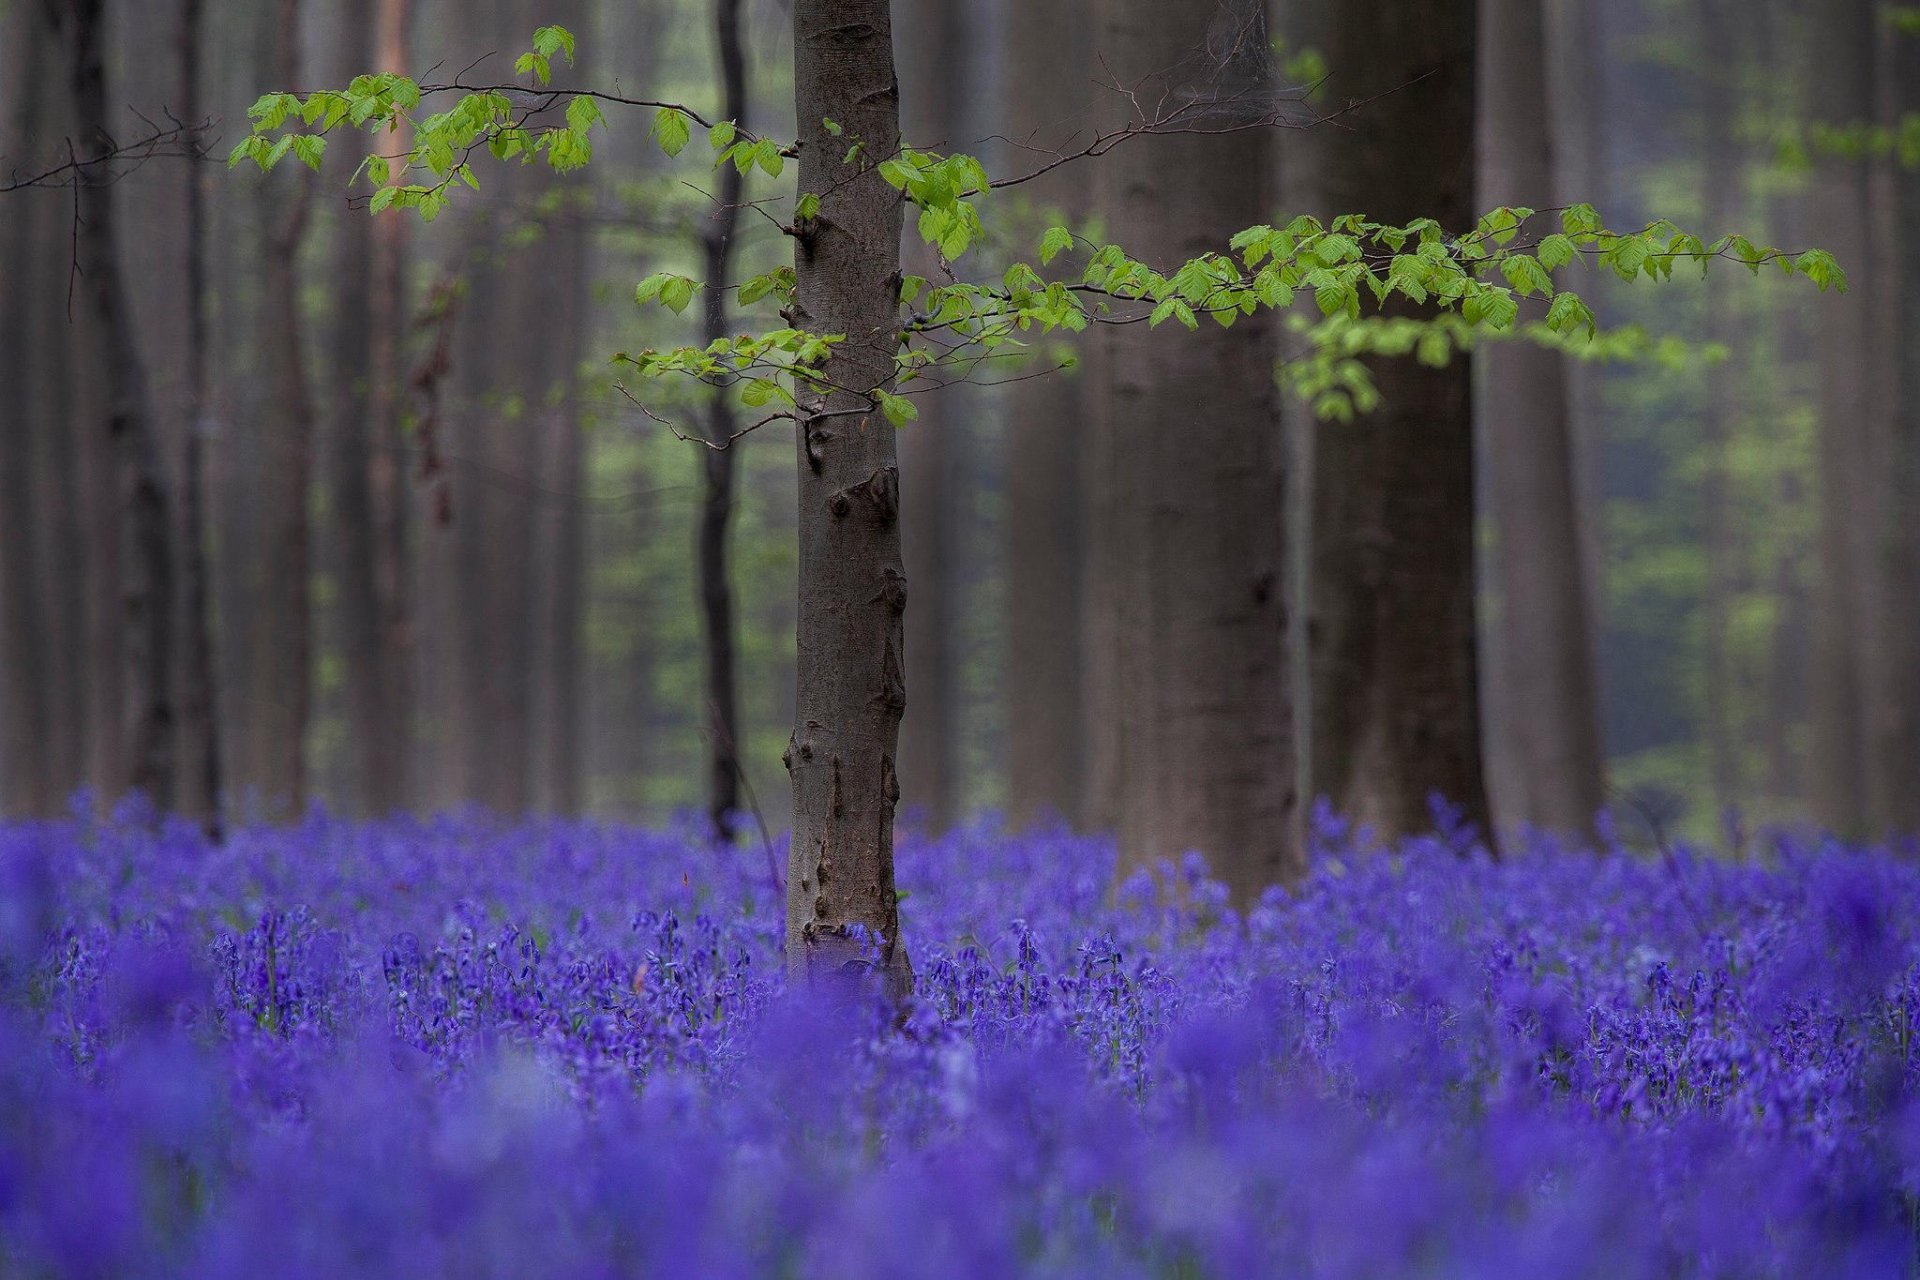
{"x": 1395, "y": 681}
{"x": 940, "y": 78}
{"x": 351, "y": 435}
{"x": 1186, "y": 491}
{"x": 1843, "y": 95}
{"x": 28, "y": 785}
{"x": 1550, "y": 698}
{"x": 1720, "y": 415}
{"x": 387, "y": 751}
{"x": 199, "y": 722}
{"x": 145, "y": 617}
{"x": 1046, "y": 750}
{"x": 850, "y": 675}
{"x": 272, "y": 767}
{"x": 717, "y": 624}
{"x": 1892, "y": 671}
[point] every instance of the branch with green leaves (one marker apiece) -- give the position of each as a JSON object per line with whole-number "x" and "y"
{"x": 1419, "y": 289}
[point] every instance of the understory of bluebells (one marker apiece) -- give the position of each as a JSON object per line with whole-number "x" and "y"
{"x": 466, "y": 1048}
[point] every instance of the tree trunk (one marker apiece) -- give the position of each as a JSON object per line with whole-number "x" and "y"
{"x": 717, "y": 625}
{"x": 1396, "y": 716}
{"x": 850, "y": 678}
{"x": 940, "y": 75}
{"x": 27, "y": 781}
{"x": 1191, "y": 715}
{"x": 1550, "y": 698}
{"x": 272, "y": 767}
{"x": 1843, "y": 95}
{"x": 145, "y": 570}
{"x": 199, "y": 721}
{"x": 1046, "y": 103}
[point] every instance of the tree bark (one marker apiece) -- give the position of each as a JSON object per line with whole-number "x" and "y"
{"x": 27, "y": 782}
{"x": 1551, "y": 698}
{"x": 940, "y": 77}
{"x": 1046, "y": 103}
{"x": 1191, "y": 715}
{"x": 1843, "y": 95}
{"x": 717, "y": 620}
{"x": 1396, "y": 716}
{"x": 146, "y": 562}
{"x": 850, "y": 677}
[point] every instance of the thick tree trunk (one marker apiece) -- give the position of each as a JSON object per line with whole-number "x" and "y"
{"x": 1843, "y": 95}
{"x": 717, "y": 623}
{"x": 145, "y": 569}
{"x": 851, "y": 679}
{"x": 1046, "y": 103}
{"x": 28, "y": 785}
{"x": 1191, "y": 716}
{"x": 940, "y": 77}
{"x": 199, "y": 721}
{"x": 1550, "y": 696}
{"x": 1396, "y": 705}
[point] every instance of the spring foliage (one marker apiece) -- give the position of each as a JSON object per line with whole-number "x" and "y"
{"x": 1445, "y": 288}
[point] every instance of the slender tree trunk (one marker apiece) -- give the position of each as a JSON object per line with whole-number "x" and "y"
{"x": 273, "y": 766}
{"x": 940, "y": 77}
{"x": 1551, "y": 698}
{"x": 1396, "y": 704}
{"x": 199, "y": 723}
{"x": 1843, "y": 95}
{"x": 1046, "y": 103}
{"x": 1892, "y": 673}
{"x": 717, "y": 622}
{"x": 146, "y": 556}
{"x": 1186, "y": 498}
{"x": 27, "y": 784}
{"x": 851, "y": 677}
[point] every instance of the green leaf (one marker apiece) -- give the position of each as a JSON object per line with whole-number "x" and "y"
{"x": 1556, "y": 251}
{"x": 721, "y": 136}
{"x": 676, "y": 293}
{"x": 671, "y": 130}
{"x": 548, "y": 41}
{"x": 583, "y": 113}
{"x": 1055, "y": 242}
{"x": 899, "y": 410}
{"x": 807, "y": 208}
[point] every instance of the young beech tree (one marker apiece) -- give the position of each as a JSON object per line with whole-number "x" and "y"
{"x": 859, "y": 340}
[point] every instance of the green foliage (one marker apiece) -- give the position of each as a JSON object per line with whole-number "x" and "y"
{"x": 1362, "y": 276}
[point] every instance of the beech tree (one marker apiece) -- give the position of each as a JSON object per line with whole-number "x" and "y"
{"x": 860, "y": 340}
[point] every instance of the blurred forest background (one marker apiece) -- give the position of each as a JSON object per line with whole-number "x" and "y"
{"x": 446, "y": 561}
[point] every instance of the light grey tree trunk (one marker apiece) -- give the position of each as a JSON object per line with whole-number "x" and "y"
{"x": 1188, "y": 714}
{"x": 1549, "y": 695}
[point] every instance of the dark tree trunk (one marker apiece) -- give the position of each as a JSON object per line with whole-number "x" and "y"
{"x": 28, "y": 785}
{"x": 1550, "y": 696}
{"x": 1191, "y": 711}
{"x": 272, "y": 767}
{"x": 145, "y": 570}
{"x": 851, "y": 677}
{"x": 1046, "y": 751}
{"x": 199, "y": 721}
{"x": 717, "y": 624}
{"x": 940, "y": 79}
{"x": 1396, "y": 705}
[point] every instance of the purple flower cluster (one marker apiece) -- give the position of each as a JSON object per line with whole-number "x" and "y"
{"x": 467, "y": 1048}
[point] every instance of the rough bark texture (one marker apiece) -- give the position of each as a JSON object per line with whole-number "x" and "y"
{"x": 1188, "y": 707}
{"x": 1844, "y": 95}
{"x": 1550, "y": 696}
{"x": 851, "y": 677}
{"x": 1046, "y": 754}
{"x": 939, "y": 80}
{"x": 200, "y": 786}
{"x": 718, "y": 626}
{"x": 1396, "y": 714}
{"x": 145, "y": 569}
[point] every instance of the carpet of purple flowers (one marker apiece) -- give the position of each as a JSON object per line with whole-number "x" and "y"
{"x": 466, "y": 1048}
